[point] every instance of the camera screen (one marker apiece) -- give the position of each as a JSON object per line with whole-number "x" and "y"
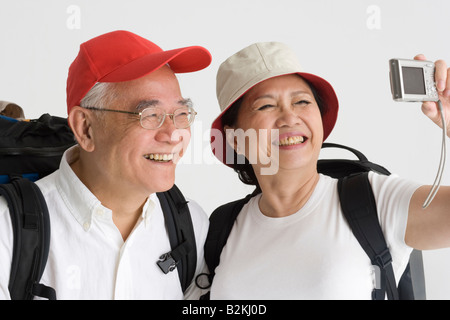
{"x": 413, "y": 80}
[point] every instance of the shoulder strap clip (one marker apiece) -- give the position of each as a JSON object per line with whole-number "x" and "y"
{"x": 167, "y": 263}
{"x": 383, "y": 259}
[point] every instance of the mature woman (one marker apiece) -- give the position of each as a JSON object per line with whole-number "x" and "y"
{"x": 291, "y": 240}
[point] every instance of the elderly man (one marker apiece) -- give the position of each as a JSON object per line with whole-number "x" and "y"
{"x": 108, "y": 230}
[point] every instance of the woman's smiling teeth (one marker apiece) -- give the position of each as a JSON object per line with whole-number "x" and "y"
{"x": 289, "y": 141}
{"x": 163, "y": 157}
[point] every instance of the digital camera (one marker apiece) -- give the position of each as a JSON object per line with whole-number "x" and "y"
{"x": 412, "y": 80}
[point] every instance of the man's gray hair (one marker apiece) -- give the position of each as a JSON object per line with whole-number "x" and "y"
{"x": 100, "y": 95}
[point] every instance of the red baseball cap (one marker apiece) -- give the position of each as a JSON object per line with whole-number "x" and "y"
{"x": 123, "y": 56}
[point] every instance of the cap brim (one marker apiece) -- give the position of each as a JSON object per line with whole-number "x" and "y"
{"x": 188, "y": 59}
{"x": 329, "y": 114}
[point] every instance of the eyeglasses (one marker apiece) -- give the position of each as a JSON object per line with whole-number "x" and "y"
{"x": 153, "y": 117}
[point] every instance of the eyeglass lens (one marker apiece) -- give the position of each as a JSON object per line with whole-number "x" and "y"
{"x": 153, "y": 117}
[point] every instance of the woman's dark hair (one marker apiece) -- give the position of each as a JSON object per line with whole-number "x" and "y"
{"x": 245, "y": 170}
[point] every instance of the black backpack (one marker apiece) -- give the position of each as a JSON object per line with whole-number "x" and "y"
{"x": 30, "y": 150}
{"x": 359, "y": 208}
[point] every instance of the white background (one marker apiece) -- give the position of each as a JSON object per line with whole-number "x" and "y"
{"x": 348, "y": 42}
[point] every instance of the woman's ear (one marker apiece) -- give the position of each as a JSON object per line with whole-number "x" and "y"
{"x": 80, "y": 121}
{"x": 231, "y": 138}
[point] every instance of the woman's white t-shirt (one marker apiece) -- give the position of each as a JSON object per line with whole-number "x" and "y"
{"x": 311, "y": 254}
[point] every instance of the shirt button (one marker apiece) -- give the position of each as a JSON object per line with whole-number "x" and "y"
{"x": 86, "y": 226}
{"x": 99, "y": 212}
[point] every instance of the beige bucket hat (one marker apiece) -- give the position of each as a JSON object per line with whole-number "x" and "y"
{"x": 12, "y": 110}
{"x": 259, "y": 62}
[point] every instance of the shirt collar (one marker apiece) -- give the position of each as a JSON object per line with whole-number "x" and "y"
{"x": 149, "y": 207}
{"x": 80, "y": 201}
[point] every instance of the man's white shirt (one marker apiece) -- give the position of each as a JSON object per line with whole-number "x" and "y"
{"x": 88, "y": 257}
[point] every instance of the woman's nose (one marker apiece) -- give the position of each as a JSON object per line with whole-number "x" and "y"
{"x": 288, "y": 117}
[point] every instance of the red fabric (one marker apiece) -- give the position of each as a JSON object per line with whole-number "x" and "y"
{"x": 122, "y": 56}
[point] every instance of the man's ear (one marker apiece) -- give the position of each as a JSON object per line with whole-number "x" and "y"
{"x": 80, "y": 121}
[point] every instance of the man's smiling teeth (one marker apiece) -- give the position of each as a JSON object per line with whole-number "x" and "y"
{"x": 159, "y": 156}
{"x": 291, "y": 141}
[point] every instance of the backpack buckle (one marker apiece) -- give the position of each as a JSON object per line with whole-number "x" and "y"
{"x": 167, "y": 263}
{"x": 383, "y": 259}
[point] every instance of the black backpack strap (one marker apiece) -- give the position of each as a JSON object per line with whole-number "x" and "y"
{"x": 359, "y": 207}
{"x": 31, "y": 229}
{"x": 180, "y": 229}
{"x": 221, "y": 222}
{"x": 338, "y": 168}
